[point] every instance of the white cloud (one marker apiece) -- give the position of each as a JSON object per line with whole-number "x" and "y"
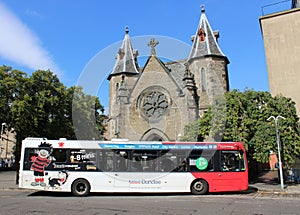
{"x": 21, "y": 46}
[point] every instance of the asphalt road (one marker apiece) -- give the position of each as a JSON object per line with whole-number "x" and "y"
{"x": 15, "y": 202}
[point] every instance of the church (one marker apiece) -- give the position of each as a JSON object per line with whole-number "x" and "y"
{"x": 155, "y": 102}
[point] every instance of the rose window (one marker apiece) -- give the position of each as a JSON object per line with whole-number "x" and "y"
{"x": 154, "y": 105}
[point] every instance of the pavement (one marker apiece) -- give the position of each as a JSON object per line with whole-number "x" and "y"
{"x": 266, "y": 182}
{"x": 8, "y": 180}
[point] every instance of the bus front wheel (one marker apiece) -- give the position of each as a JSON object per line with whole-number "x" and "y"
{"x": 81, "y": 187}
{"x": 199, "y": 187}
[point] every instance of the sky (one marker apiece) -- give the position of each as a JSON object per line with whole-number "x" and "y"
{"x": 78, "y": 39}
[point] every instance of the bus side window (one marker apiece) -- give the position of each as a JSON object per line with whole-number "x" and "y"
{"x": 167, "y": 165}
{"x": 202, "y": 161}
{"x": 137, "y": 164}
{"x": 232, "y": 161}
{"x": 173, "y": 161}
{"x": 144, "y": 160}
{"x": 107, "y": 161}
{"x": 121, "y": 160}
{"x": 121, "y": 164}
{"x": 60, "y": 155}
{"x": 109, "y": 164}
{"x": 182, "y": 166}
{"x": 29, "y": 155}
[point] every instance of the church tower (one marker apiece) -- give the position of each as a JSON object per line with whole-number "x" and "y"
{"x": 122, "y": 79}
{"x": 156, "y": 102}
{"x": 208, "y": 64}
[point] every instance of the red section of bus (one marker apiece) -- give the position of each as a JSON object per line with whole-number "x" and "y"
{"x": 224, "y": 181}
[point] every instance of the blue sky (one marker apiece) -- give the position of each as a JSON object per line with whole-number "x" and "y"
{"x": 66, "y": 36}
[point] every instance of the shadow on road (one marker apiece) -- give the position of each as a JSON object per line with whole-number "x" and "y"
{"x": 250, "y": 190}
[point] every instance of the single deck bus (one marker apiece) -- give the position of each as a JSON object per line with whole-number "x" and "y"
{"x": 82, "y": 167}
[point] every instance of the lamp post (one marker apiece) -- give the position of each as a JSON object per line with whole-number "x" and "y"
{"x": 279, "y": 148}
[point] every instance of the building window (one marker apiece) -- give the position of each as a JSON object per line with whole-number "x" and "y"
{"x": 154, "y": 105}
{"x": 203, "y": 80}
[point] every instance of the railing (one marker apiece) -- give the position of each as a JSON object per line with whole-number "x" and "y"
{"x": 276, "y": 7}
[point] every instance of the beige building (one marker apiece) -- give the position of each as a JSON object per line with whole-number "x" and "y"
{"x": 281, "y": 35}
{"x": 7, "y": 144}
{"x": 157, "y": 101}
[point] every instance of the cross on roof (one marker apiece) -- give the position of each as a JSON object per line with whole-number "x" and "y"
{"x": 152, "y": 43}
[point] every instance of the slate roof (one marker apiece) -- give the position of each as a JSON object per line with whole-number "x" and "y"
{"x": 204, "y": 42}
{"x": 126, "y": 58}
{"x": 177, "y": 70}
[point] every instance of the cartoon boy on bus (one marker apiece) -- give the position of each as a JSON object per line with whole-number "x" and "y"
{"x": 39, "y": 162}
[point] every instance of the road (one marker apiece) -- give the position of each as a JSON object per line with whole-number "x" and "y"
{"x": 15, "y": 202}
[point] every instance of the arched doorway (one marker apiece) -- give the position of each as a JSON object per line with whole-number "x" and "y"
{"x": 154, "y": 135}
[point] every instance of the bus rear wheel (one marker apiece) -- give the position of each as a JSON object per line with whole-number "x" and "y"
{"x": 81, "y": 187}
{"x": 199, "y": 187}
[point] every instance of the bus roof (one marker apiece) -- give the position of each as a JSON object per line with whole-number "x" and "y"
{"x": 124, "y": 144}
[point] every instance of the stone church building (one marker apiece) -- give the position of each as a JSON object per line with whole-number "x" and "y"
{"x": 156, "y": 102}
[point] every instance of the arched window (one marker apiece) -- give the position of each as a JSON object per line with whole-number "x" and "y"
{"x": 203, "y": 80}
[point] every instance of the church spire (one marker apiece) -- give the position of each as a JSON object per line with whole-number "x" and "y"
{"x": 126, "y": 58}
{"x": 205, "y": 40}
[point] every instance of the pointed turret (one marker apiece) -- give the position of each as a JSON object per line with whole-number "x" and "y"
{"x": 126, "y": 62}
{"x": 208, "y": 64}
{"x": 121, "y": 80}
{"x": 205, "y": 40}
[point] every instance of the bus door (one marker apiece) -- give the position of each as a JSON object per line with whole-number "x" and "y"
{"x": 121, "y": 180}
{"x": 34, "y": 168}
{"x": 121, "y": 167}
{"x": 137, "y": 170}
{"x": 232, "y": 175}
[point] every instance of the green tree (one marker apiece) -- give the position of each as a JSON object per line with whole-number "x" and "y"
{"x": 242, "y": 116}
{"x": 41, "y": 106}
{"x": 86, "y": 115}
{"x": 11, "y": 89}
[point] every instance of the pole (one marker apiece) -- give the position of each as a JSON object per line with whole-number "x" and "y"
{"x": 279, "y": 148}
{"x": 2, "y": 129}
{"x": 6, "y": 147}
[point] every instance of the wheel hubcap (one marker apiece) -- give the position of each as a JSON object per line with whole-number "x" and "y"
{"x": 81, "y": 188}
{"x": 198, "y": 186}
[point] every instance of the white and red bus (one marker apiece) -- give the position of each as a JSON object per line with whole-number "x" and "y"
{"x": 82, "y": 167}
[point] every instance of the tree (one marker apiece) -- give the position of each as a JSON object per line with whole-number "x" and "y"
{"x": 11, "y": 88}
{"x": 41, "y": 106}
{"x": 86, "y": 116}
{"x": 39, "y": 110}
{"x": 243, "y": 117}
{"x": 12, "y": 85}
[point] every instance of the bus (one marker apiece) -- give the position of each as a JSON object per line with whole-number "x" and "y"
{"x": 81, "y": 167}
